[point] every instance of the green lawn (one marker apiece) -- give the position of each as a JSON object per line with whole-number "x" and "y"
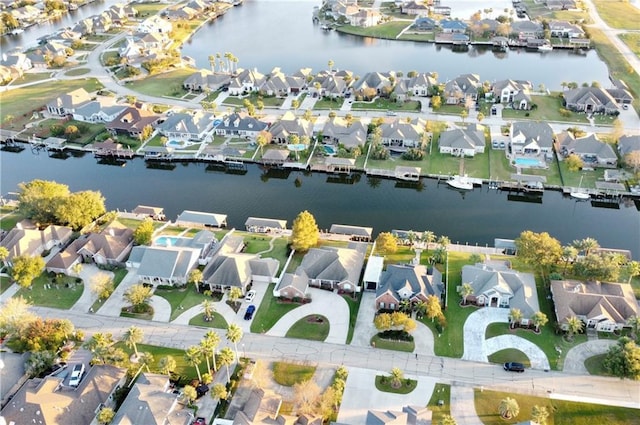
{"x": 56, "y": 295}
{"x": 560, "y": 412}
{"x": 441, "y": 392}
{"x": 148, "y": 9}
{"x": 168, "y": 84}
{"x": 181, "y": 299}
{"x": 280, "y": 251}
{"x": 313, "y": 327}
{"x": 389, "y": 30}
{"x": 269, "y": 312}
{"x": 19, "y": 104}
{"x": 594, "y": 365}
{"x": 618, "y": 14}
{"x": 429, "y": 36}
{"x": 381, "y": 104}
{"x": 77, "y": 71}
{"x": 632, "y": 40}
{"x": 118, "y": 275}
{"x": 253, "y": 98}
{"x": 8, "y": 221}
{"x": 183, "y": 369}
{"x": 217, "y": 321}
{"x": 87, "y": 134}
{"x": 328, "y": 103}
{"x": 445, "y": 164}
{"x": 388, "y": 344}
{"x": 31, "y": 78}
{"x": 547, "y": 110}
{"x": 383, "y": 384}
{"x": 5, "y": 282}
{"x": 354, "y": 306}
{"x": 289, "y": 374}
{"x": 510, "y": 355}
{"x": 133, "y": 223}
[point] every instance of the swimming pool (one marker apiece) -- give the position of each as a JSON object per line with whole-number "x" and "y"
{"x": 176, "y": 144}
{"x": 330, "y": 150}
{"x": 297, "y": 147}
{"x": 528, "y": 162}
{"x": 166, "y": 240}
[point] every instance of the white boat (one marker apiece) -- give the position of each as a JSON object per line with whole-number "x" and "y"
{"x": 545, "y": 48}
{"x": 17, "y": 31}
{"x": 460, "y": 182}
{"x": 579, "y": 193}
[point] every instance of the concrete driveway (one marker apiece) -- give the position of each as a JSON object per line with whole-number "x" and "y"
{"x": 88, "y": 297}
{"x": 325, "y": 303}
{"x": 361, "y": 395}
{"x": 364, "y": 322}
{"x": 574, "y": 361}
{"x": 113, "y": 305}
{"x": 462, "y": 406}
{"x": 161, "y": 309}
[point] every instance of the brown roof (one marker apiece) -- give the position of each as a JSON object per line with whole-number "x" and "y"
{"x": 110, "y": 243}
{"x": 64, "y": 259}
{"x": 133, "y": 118}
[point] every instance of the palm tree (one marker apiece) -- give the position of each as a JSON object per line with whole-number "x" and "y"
{"x": 132, "y": 337}
{"x": 144, "y": 360}
{"x": 633, "y": 270}
{"x": 234, "y": 294}
{"x": 420, "y": 308}
{"x": 262, "y": 141}
{"x": 539, "y": 319}
{"x": 444, "y": 242}
{"x": 219, "y": 391}
{"x": 447, "y": 420}
{"x": 234, "y": 334}
{"x": 207, "y": 310}
{"x": 404, "y": 305}
{"x": 195, "y": 277}
{"x": 428, "y": 237}
{"x": 167, "y": 365}
{"x": 539, "y": 414}
{"x": 508, "y": 408}
{"x": 226, "y": 359}
{"x": 569, "y": 254}
{"x": 574, "y": 325}
{"x": 397, "y": 375}
{"x": 465, "y": 290}
{"x": 634, "y": 322}
{"x": 206, "y": 347}
{"x": 193, "y": 356}
{"x": 331, "y": 63}
{"x": 212, "y": 62}
{"x": 515, "y": 316}
{"x": 214, "y": 340}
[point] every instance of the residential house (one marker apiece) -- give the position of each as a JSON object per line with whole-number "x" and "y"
{"x": 453, "y": 26}
{"x": 526, "y": 29}
{"x": 132, "y": 121}
{"x": 265, "y": 225}
{"x": 140, "y": 46}
{"x": 602, "y": 306}
{"x": 83, "y": 27}
{"x": 38, "y": 59}
{"x": 564, "y": 29}
{"x": 17, "y": 60}
{"x": 531, "y": 138}
{"x": 407, "y": 282}
{"x": 64, "y": 260}
{"x": 421, "y": 84}
{"x": 410, "y": 415}
{"x": 145, "y": 211}
{"x": 329, "y": 85}
{"x": 401, "y": 91}
{"x": 204, "y": 79}
{"x": 365, "y": 18}
{"x": 400, "y": 134}
{"x": 513, "y": 92}
{"x": 240, "y": 124}
{"x": 247, "y": 81}
{"x": 201, "y": 219}
{"x": 424, "y": 23}
{"x": 164, "y": 265}
{"x": 48, "y": 401}
{"x": 628, "y": 144}
{"x": 414, "y": 8}
{"x": 348, "y": 133}
{"x": 54, "y": 48}
{"x": 495, "y": 284}
{"x": 593, "y": 152}
{"x": 101, "y": 110}
{"x": 67, "y": 104}
{"x": 356, "y": 233}
{"x": 152, "y": 401}
{"x": 621, "y": 95}
{"x": 155, "y": 24}
{"x": 260, "y": 408}
{"x": 463, "y": 88}
{"x": 186, "y": 126}
{"x": 484, "y": 27}
{"x": 26, "y": 240}
{"x": 374, "y": 84}
{"x": 463, "y": 142}
{"x": 279, "y": 84}
{"x": 26, "y": 14}
{"x": 289, "y": 125}
{"x": 590, "y": 100}
{"x": 111, "y": 246}
{"x": 560, "y": 4}
{"x": 183, "y": 12}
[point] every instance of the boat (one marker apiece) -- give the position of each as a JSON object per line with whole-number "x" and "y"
{"x": 547, "y": 47}
{"x": 17, "y": 31}
{"x": 460, "y": 182}
{"x": 326, "y": 27}
{"x": 579, "y": 193}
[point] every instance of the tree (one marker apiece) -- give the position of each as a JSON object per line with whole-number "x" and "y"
{"x": 190, "y": 394}
{"x": 263, "y": 139}
{"x": 465, "y": 290}
{"x": 428, "y": 237}
{"x": 226, "y": 357}
{"x": 102, "y": 285}
{"x": 15, "y": 316}
{"x": 213, "y": 341}
{"x": 574, "y": 326}
{"x": 434, "y": 308}
{"x": 132, "y": 337}
{"x": 569, "y": 254}
{"x": 382, "y": 322}
{"x": 295, "y": 104}
{"x": 101, "y": 345}
{"x": 539, "y": 250}
{"x": 386, "y": 243}
{"x": 436, "y": 102}
{"x": 634, "y": 322}
{"x": 307, "y": 115}
{"x": 234, "y": 335}
{"x": 539, "y": 414}
{"x": 39, "y": 199}
{"x": 234, "y": 294}
{"x": 586, "y": 245}
{"x": 143, "y": 361}
{"x": 39, "y": 362}
{"x": 144, "y": 232}
{"x": 4, "y": 254}
{"x": 515, "y": 316}
{"x": 193, "y": 356}
{"x": 623, "y": 359}
{"x": 25, "y": 269}
{"x": 138, "y": 296}
{"x": 633, "y": 270}
{"x": 167, "y": 365}
{"x": 539, "y": 319}
{"x": 304, "y": 233}
{"x": 195, "y": 277}
{"x": 508, "y": 408}
{"x": 447, "y": 420}
{"x": 574, "y": 162}
{"x": 105, "y": 416}
{"x": 307, "y": 397}
{"x": 219, "y": 391}
{"x": 464, "y": 114}
{"x": 632, "y": 159}
{"x": 207, "y": 310}
{"x": 396, "y": 375}
{"x": 330, "y": 64}
{"x": 80, "y": 209}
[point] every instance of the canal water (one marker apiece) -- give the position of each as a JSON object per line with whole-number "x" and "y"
{"x": 478, "y": 216}
{"x": 264, "y": 34}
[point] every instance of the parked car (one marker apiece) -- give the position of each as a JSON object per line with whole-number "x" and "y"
{"x": 76, "y": 375}
{"x": 250, "y": 296}
{"x": 200, "y": 421}
{"x": 202, "y": 389}
{"x": 514, "y": 367}
{"x": 248, "y": 315}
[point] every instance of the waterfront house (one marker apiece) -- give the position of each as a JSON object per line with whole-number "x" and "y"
{"x": 164, "y": 265}
{"x": 484, "y": 27}
{"x": 101, "y": 110}
{"x": 592, "y": 152}
{"x": 201, "y": 219}
{"x": 240, "y": 124}
{"x": 26, "y": 14}
{"x": 424, "y": 23}
{"x": 52, "y": 402}
{"x": 590, "y": 100}
{"x": 628, "y": 144}
{"x": 111, "y": 246}
{"x": 63, "y": 261}
{"x": 453, "y": 26}
{"x": 132, "y": 121}
{"x": 526, "y": 29}
{"x": 289, "y": 125}
{"x": 399, "y": 134}
{"x": 365, "y": 18}
{"x": 186, "y": 126}
{"x": 602, "y": 306}
{"x": 279, "y": 84}
{"x": 155, "y": 24}
{"x": 421, "y": 84}
{"x": 407, "y": 282}
{"x": 374, "y": 84}
{"x": 462, "y": 88}
{"x": 495, "y": 284}
{"x": 348, "y": 133}
{"x": 203, "y": 80}
{"x": 16, "y": 60}
{"x": 564, "y": 29}
{"x": 246, "y": 81}
{"x": 27, "y": 240}
{"x": 83, "y": 27}
{"x": 531, "y": 138}
{"x": 414, "y": 8}
{"x": 513, "y": 92}
{"x": 356, "y": 233}
{"x": 463, "y": 141}
{"x": 67, "y": 104}
{"x": 329, "y": 85}
{"x": 265, "y": 225}
{"x": 151, "y": 401}
{"x": 54, "y": 49}
{"x": 146, "y": 211}
{"x": 621, "y": 95}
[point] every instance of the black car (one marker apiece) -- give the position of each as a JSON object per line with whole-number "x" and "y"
{"x": 248, "y": 315}
{"x": 514, "y": 367}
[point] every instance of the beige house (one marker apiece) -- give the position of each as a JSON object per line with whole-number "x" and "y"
{"x": 27, "y": 240}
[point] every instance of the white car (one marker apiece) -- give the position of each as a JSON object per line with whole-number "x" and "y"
{"x": 76, "y": 375}
{"x": 250, "y": 296}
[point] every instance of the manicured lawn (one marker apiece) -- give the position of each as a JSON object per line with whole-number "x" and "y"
{"x": 383, "y": 383}
{"x": 386, "y": 104}
{"x": 133, "y": 223}
{"x": 181, "y": 299}
{"x": 289, "y": 374}
{"x": 354, "y": 306}
{"x": 594, "y": 365}
{"x": 572, "y": 178}
{"x": 547, "y": 110}
{"x": 165, "y": 84}
{"x": 387, "y": 344}
{"x": 172, "y": 230}
{"x": 430, "y": 36}
{"x": 55, "y": 295}
{"x": 510, "y": 355}
{"x": 560, "y": 412}
{"x": 118, "y": 275}
{"x": 449, "y": 110}
{"x": 217, "y": 321}
{"x": 269, "y": 312}
{"x": 183, "y": 369}
{"x": 77, "y": 71}
{"x": 87, "y": 132}
{"x": 328, "y": 103}
{"x": 618, "y": 14}
{"x": 387, "y": 30}
{"x": 148, "y": 9}
{"x": 253, "y": 98}
{"x": 31, "y": 78}
{"x": 21, "y": 103}
{"x": 5, "y": 283}
{"x": 499, "y": 167}
{"x": 632, "y": 40}
{"x": 313, "y": 327}
{"x": 444, "y": 164}
{"x": 280, "y": 251}
{"x": 440, "y": 392}
{"x": 8, "y": 221}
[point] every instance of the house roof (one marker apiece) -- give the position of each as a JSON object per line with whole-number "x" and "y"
{"x": 405, "y": 281}
{"x": 241, "y": 122}
{"x": 374, "y": 268}
{"x": 230, "y": 269}
{"x": 133, "y": 118}
{"x": 459, "y": 138}
{"x": 299, "y": 282}
{"x": 27, "y": 241}
{"x": 64, "y": 259}
{"x": 290, "y": 124}
{"x": 628, "y": 144}
{"x": 203, "y": 218}
{"x": 147, "y": 210}
{"x": 106, "y": 105}
{"x": 110, "y": 243}
{"x": 592, "y": 95}
{"x": 71, "y": 100}
{"x": 594, "y": 300}
{"x": 193, "y": 123}
{"x": 588, "y": 145}
{"x": 344, "y": 229}
{"x": 260, "y": 408}
{"x": 168, "y": 262}
{"x": 401, "y": 129}
{"x": 335, "y": 264}
{"x": 539, "y": 132}
{"x": 266, "y": 222}
{"x": 350, "y": 134}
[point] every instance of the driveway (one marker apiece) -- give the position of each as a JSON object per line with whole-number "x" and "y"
{"x": 161, "y": 309}
{"x": 364, "y": 322}
{"x": 574, "y": 361}
{"x": 463, "y": 407}
{"x": 325, "y": 303}
{"x": 361, "y": 395}
{"x": 113, "y": 305}
{"x": 88, "y": 297}
{"x": 220, "y": 307}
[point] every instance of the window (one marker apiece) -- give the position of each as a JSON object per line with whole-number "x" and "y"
{"x": 381, "y": 305}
